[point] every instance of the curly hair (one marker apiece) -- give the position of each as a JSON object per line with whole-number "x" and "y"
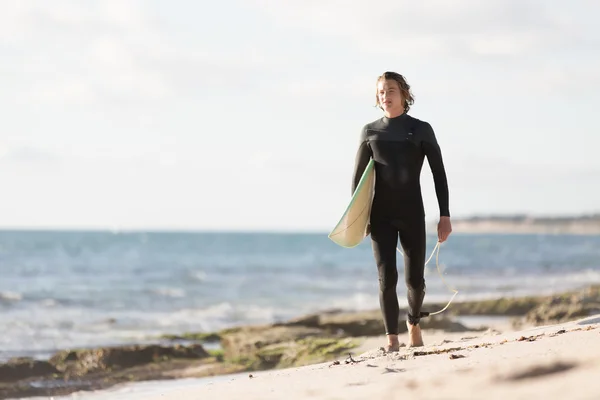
{"x": 402, "y": 84}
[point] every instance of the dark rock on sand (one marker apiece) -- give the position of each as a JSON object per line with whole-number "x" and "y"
{"x": 82, "y": 362}
{"x": 89, "y": 369}
{"x": 20, "y": 368}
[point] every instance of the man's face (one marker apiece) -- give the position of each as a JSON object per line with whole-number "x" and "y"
{"x": 390, "y": 97}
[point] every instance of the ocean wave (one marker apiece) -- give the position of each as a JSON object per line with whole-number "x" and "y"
{"x": 169, "y": 292}
{"x": 200, "y": 276}
{"x": 10, "y": 297}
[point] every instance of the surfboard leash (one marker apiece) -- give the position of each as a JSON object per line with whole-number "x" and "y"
{"x": 436, "y": 251}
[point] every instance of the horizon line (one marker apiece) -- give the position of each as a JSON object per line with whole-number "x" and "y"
{"x": 278, "y": 230}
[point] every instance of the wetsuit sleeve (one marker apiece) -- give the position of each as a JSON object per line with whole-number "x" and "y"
{"x": 363, "y": 155}
{"x": 434, "y": 158}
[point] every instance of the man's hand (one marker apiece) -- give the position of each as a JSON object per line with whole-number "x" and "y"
{"x": 444, "y": 229}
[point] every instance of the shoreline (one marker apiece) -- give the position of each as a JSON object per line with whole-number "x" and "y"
{"x": 306, "y": 340}
{"x": 432, "y": 303}
{"x": 142, "y": 390}
{"x": 554, "y": 361}
{"x": 549, "y": 360}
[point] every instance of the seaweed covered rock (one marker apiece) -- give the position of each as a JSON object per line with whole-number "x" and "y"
{"x": 82, "y": 362}
{"x": 267, "y": 347}
{"x": 241, "y": 344}
{"x": 301, "y": 352}
{"x": 566, "y": 307}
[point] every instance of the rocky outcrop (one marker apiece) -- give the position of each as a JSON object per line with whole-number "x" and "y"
{"x": 567, "y": 307}
{"x": 275, "y": 346}
{"x": 82, "y": 362}
{"x": 366, "y": 323}
{"x": 310, "y": 339}
{"x": 71, "y": 370}
{"x": 21, "y": 368}
{"x": 243, "y": 343}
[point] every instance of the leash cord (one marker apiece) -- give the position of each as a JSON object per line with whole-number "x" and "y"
{"x": 436, "y": 250}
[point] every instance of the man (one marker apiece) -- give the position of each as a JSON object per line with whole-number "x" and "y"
{"x": 399, "y": 143}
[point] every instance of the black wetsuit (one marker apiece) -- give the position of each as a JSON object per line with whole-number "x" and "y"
{"x": 399, "y": 146}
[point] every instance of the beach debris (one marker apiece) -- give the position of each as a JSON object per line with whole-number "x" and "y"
{"x": 587, "y": 328}
{"x": 558, "y": 333}
{"x": 476, "y": 346}
{"x": 527, "y": 339}
{"x": 456, "y": 356}
{"x": 250, "y": 376}
{"x": 437, "y": 351}
{"x": 348, "y": 360}
{"x": 356, "y": 384}
{"x": 351, "y": 360}
{"x": 388, "y": 370}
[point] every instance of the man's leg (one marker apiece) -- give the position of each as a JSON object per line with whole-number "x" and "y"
{"x": 384, "y": 239}
{"x": 413, "y": 240}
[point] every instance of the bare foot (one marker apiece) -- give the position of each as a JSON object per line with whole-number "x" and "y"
{"x": 393, "y": 343}
{"x": 414, "y": 335}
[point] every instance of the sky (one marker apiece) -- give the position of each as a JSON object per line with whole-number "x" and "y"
{"x": 246, "y": 115}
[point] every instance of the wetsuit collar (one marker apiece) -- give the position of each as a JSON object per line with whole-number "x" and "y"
{"x": 398, "y": 118}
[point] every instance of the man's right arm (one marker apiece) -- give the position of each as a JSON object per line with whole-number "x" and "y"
{"x": 363, "y": 155}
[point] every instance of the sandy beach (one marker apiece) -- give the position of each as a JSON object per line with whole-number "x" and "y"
{"x": 560, "y": 361}
{"x": 546, "y": 364}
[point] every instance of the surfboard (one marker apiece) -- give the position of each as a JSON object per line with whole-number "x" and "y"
{"x": 351, "y": 229}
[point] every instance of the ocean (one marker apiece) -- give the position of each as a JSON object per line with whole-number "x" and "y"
{"x": 70, "y": 289}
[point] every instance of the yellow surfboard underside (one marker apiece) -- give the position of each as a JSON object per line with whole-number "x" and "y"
{"x": 352, "y": 226}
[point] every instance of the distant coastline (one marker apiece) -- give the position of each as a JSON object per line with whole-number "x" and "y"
{"x": 584, "y": 224}
{"x": 522, "y": 223}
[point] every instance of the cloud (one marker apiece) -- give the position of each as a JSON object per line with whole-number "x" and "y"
{"x": 27, "y": 154}
{"x": 460, "y": 28}
{"x": 496, "y": 171}
{"x": 462, "y": 48}
{"x": 74, "y": 53}
{"x": 125, "y": 52}
{"x": 120, "y": 53}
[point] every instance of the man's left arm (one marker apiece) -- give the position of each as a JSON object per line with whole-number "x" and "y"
{"x": 433, "y": 153}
